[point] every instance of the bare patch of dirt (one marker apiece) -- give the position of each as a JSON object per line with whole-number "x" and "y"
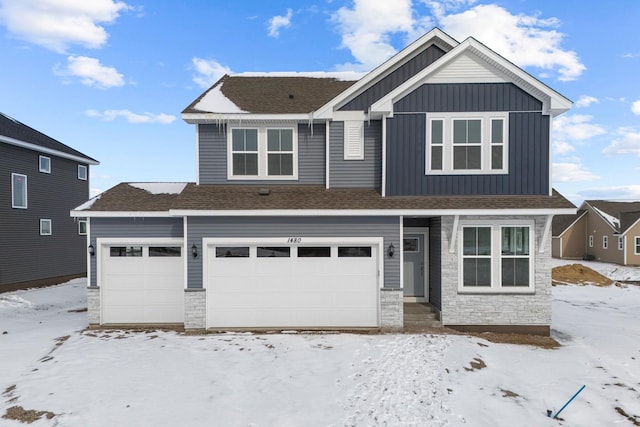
{"x": 9, "y": 390}
{"x": 476, "y": 364}
{"x": 635, "y": 420}
{"x": 521, "y": 339}
{"x": 18, "y": 413}
{"x": 578, "y": 274}
{"x": 78, "y": 310}
{"x": 509, "y": 393}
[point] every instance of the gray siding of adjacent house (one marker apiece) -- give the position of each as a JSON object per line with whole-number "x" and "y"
{"x": 386, "y": 227}
{"x": 212, "y": 156}
{"x": 365, "y": 173}
{"x": 133, "y": 228}
{"x": 25, "y": 255}
{"x": 528, "y": 141}
{"x": 421, "y": 61}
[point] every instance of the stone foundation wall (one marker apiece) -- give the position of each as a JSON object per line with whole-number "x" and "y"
{"x": 93, "y": 305}
{"x": 391, "y": 309}
{"x": 195, "y": 309}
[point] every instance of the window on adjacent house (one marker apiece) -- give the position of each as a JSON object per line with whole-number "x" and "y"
{"x": 620, "y": 243}
{"x": 82, "y": 172}
{"x": 262, "y": 153}
{"x": 82, "y": 227}
{"x": 466, "y": 143}
{"x": 45, "y": 227}
{"x": 18, "y": 191}
{"x": 496, "y": 258}
{"x": 590, "y": 241}
{"x": 353, "y": 140}
{"x": 44, "y": 164}
{"x": 637, "y": 245}
{"x": 605, "y": 242}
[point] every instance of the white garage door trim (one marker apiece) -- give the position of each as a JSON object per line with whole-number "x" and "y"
{"x": 102, "y": 250}
{"x": 375, "y": 242}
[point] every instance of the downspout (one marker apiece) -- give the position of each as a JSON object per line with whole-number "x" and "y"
{"x": 550, "y": 156}
{"x": 326, "y": 154}
{"x": 197, "y": 154}
{"x": 383, "y": 188}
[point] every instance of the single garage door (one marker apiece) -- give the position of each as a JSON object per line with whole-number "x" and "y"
{"x": 142, "y": 283}
{"x": 319, "y": 285}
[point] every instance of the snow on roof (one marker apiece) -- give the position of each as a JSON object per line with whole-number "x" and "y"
{"x": 214, "y": 101}
{"x": 87, "y": 205}
{"x": 338, "y": 75}
{"x": 160, "y": 187}
{"x": 615, "y": 222}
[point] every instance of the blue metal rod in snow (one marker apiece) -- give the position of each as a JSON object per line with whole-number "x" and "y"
{"x": 567, "y": 404}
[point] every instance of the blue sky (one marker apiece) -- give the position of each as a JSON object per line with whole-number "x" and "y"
{"x": 110, "y": 78}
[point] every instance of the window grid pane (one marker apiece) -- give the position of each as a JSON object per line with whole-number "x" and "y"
{"x": 476, "y": 264}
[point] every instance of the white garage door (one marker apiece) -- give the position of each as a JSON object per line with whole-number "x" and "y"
{"x": 275, "y": 285}
{"x": 142, "y": 283}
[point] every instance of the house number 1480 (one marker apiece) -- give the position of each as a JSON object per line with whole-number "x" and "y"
{"x": 294, "y": 240}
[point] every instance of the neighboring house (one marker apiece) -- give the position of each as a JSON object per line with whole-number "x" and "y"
{"x": 322, "y": 202}
{"x": 41, "y": 180}
{"x": 603, "y": 230}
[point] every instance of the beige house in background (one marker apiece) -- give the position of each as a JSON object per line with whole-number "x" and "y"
{"x": 602, "y": 230}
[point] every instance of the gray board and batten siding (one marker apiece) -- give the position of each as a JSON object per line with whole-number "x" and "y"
{"x": 422, "y": 60}
{"x": 25, "y": 255}
{"x": 212, "y": 155}
{"x": 528, "y": 141}
{"x": 257, "y": 227}
{"x": 133, "y": 228}
{"x": 366, "y": 173}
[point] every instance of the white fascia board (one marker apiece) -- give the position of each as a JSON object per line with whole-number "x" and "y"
{"x": 120, "y": 214}
{"x": 204, "y": 118}
{"x": 369, "y": 212}
{"x": 46, "y": 150}
{"x": 555, "y": 104}
{"x": 435, "y": 36}
{"x": 571, "y": 225}
{"x": 599, "y": 215}
{"x": 624, "y": 233}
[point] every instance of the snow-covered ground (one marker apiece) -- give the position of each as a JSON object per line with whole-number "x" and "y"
{"x": 109, "y": 378}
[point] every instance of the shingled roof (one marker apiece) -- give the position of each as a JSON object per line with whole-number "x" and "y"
{"x": 272, "y": 94}
{"x": 12, "y": 128}
{"x": 562, "y": 222}
{"x": 627, "y": 210}
{"x": 125, "y": 197}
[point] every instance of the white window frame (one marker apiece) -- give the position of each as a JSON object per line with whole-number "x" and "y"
{"x": 605, "y": 242}
{"x": 620, "y": 243}
{"x": 496, "y": 257}
{"x": 590, "y": 240}
{"x": 80, "y": 222}
{"x": 13, "y": 191}
{"x": 263, "y": 172}
{"x": 636, "y": 248}
{"x": 486, "y": 120}
{"x": 44, "y": 232}
{"x": 353, "y": 140}
{"x": 86, "y": 172}
{"x": 48, "y": 168}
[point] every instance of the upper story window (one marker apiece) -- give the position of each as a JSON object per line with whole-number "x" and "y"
{"x": 82, "y": 172}
{"x": 45, "y": 227}
{"x": 605, "y": 242}
{"x": 590, "y": 241}
{"x": 82, "y": 227}
{"x": 18, "y": 191}
{"x": 262, "y": 153}
{"x": 637, "y": 245}
{"x": 44, "y": 163}
{"x": 620, "y": 243}
{"x": 467, "y": 143}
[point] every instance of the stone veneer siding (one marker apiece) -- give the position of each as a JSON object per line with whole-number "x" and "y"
{"x": 93, "y": 305}
{"x": 195, "y": 309}
{"x": 391, "y": 309}
{"x": 496, "y": 309}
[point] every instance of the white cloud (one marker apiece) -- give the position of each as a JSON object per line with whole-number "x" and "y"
{"x": 366, "y": 29}
{"x": 635, "y": 107}
{"x": 278, "y": 22}
{"x": 208, "y": 71}
{"x": 131, "y": 117}
{"x": 621, "y": 192}
{"x": 586, "y": 101}
{"x": 571, "y": 172}
{"x": 571, "y": 129}
{"x": 526, "y": 40}
{"x": 628, "y": 142}
{"x": 58, "y": 24}
{"x": 91, "y": 72}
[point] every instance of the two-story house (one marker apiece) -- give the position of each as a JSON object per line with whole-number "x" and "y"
{"x": 41, "y": 180}
{"x": 326, "y": 203}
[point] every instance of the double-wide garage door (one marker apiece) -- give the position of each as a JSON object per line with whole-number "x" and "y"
{"x": 291, "y": 285}
{"x": 142, "y": 283}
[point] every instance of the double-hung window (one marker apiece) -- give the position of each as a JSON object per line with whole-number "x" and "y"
{"x": 467, "y": 143}
{"x": 496, "y": 258}
{"x": 18, "y": 191}
{"x": 262, "y": 153}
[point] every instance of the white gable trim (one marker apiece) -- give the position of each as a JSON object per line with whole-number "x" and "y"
{"x": 434, "y": 37}
{"x": 223, "y": 118}
{"x": 45, "y": 150}
{"x": 552, "y": 102}
{"x": 571, "y": 225}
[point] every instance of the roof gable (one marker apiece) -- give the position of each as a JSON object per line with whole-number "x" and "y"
{"x": 16, "y": 133}
{"x": 620, "y": 215}
{"x": 471, "y": 61}
{"x": 561, "y": 223}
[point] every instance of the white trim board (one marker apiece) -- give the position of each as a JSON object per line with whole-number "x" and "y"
{"x": 46, "y": 150}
